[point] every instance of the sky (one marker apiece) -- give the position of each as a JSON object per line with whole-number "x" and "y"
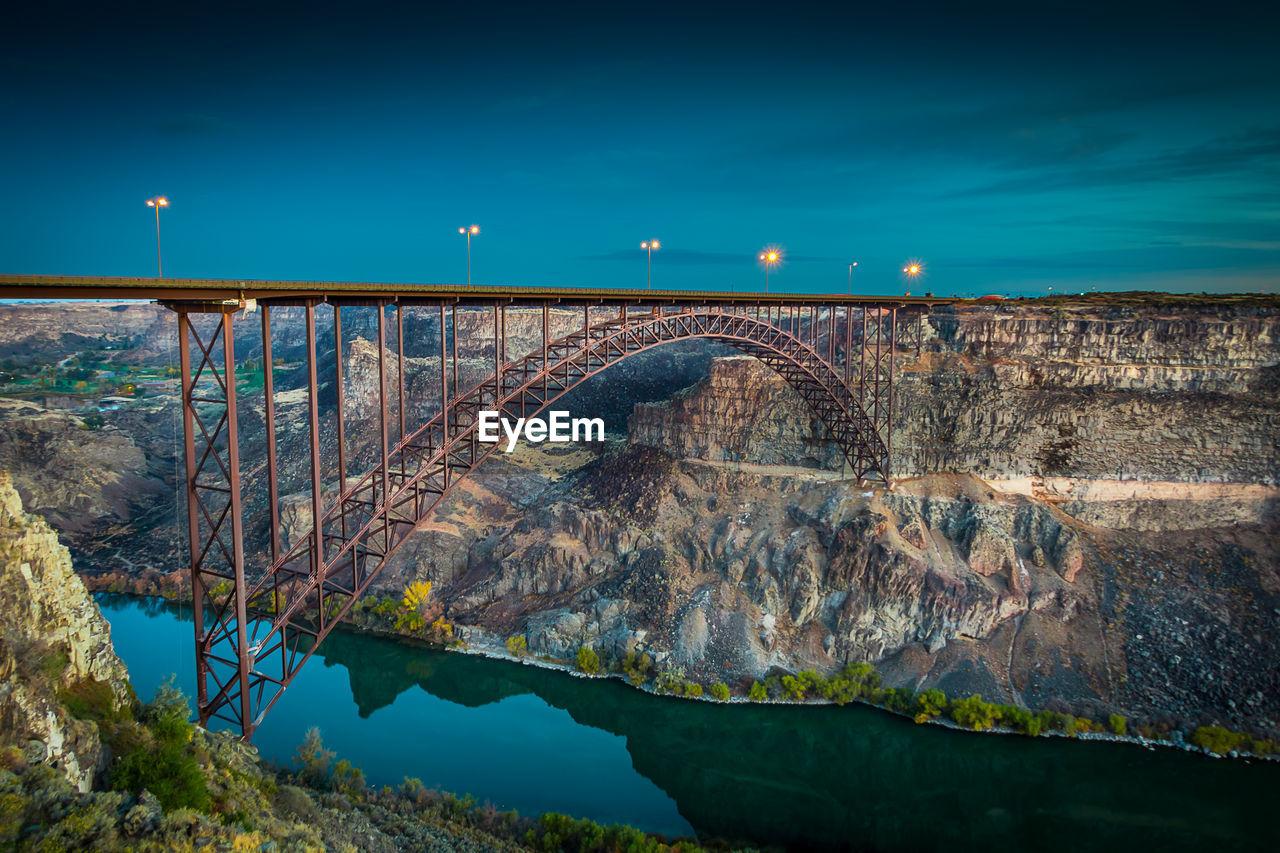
{"x": 1007, "y": 147}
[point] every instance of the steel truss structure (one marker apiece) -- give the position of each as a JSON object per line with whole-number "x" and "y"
{"x": 253, "y": 634}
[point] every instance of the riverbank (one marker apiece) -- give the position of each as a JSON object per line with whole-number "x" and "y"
{"x": 806, "y": 776}
{"x": 386, "y": 618}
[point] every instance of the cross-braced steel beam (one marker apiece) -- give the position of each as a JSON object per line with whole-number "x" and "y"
{"x": 259, "y": 632}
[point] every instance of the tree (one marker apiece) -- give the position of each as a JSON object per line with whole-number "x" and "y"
{"x": 518, "y": 645}
{"x": 313, "y": 759}
{"x": 757, "y": 693}
{"x": 588, "y": 660}
{"x": 417, "y": 597}
{"x": 720, "y": 691}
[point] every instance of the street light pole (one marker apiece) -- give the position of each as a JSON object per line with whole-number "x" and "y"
{"x": 650, "y": 245}
{"x": 474, "y": 229}
{"x": 851, "y": 266}
{"x": 770, "y": 258}
{"x": 158, "y": 202}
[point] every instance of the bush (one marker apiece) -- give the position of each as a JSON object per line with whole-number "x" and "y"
{"x": 793, "y": 688}
{"x": 930, "y": 704}
{"x": 1119, "y": 725}
{"x": 720, "y": 691}
{"x": 757, "y": 692}
{"x": 973, "y": 713}
{"x": 92, "y": 700}
{"x": 313, "y": 759}
{"x": 588, "y": 660}
{"x": 900, "y": 700}
{"x": 163, "y": 763}
{"x": 518, "y": 645}
{"x": 692, "y": 688}
{"x": 1219, "y": 740}
{"x": 637, "y": 667}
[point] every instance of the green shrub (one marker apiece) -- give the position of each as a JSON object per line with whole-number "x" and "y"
{"x": 518, "y": 645}
{"x": 164, "y": 763}
{"x": 900, "y": 700}
{"x": 793, "y": 688}
{"x": 588, "y": 660}
{"x": 1219, "y": 740}
{"x": 637, "y": 667}
{"x": 92, "y": 700}
{"x": 692, "y": 688}
{"x": 973, "y": 713}
{"x": 930, "y": 704}
{"x": 313, "y": 759}
{"x": 52, "y": 662}
{"x": 757, "y": 692}
{"x": 720, "y": 691}
{"x": 1119, "y": 725}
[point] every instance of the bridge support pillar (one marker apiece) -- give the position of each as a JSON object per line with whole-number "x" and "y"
{"x": 211, "y": 448}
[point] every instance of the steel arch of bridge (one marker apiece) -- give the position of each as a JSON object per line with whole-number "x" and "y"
{"x": 254, "y": 635}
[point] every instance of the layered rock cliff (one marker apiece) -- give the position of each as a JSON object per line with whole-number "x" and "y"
{"x": 53, "y": 642}
{"x": 1122, "y": 393}
{"x": 1084, "y": 515}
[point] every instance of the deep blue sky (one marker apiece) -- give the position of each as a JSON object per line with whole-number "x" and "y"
{"x": 1010, "y": 146}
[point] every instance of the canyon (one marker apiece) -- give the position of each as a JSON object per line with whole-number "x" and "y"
{"x": 1083, "y": 517}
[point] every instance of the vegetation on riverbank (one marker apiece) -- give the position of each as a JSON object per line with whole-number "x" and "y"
{"x": 855, "y": 682}
{"x": 174, "y": 786}
{"x": 861, "y": 682}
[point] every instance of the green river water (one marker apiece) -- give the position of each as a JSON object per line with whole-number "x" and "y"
{"x": 800, "y": 777}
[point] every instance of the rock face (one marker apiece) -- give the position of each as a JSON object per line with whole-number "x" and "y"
{"x": 74, "y": 477}
{"x": 1085, "y": 516}
{"x": 52, "y": 639}
{"x": 730, "y": 416}
{"x": 1188, "y": 395}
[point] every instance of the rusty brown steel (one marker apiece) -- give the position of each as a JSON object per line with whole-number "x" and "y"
{"x": 382, "y": 418}
{"x": 378, "y": 517}
{"x": 193, "y": 520}
{"x": 341, "y": 413}
{"x": 313, "y": 414}
{"x": 269, "y": 416}
{"x": 444, "y": 384}
{"x": 454, "y": 327}
{"x": 400, "y": 359}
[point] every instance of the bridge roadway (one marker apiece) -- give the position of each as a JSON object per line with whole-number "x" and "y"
{"x": 259, "y": 617}
{"x": 215, "y": 292}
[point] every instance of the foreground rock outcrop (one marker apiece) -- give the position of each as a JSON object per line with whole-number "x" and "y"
{"x": 53, "y": 643}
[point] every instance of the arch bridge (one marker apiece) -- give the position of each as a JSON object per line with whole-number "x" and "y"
{"x": 258, "y": 621}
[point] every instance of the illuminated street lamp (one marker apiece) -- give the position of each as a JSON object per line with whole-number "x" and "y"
{"x": 474, "y": 229}
{"x": 158, "y": 202}
{"x": 770, "y": 258}
{"x": 851, "y": 266}
{"x": 650, "y": 245}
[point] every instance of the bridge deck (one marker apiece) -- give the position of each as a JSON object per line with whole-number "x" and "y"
{"x": 218, "y": 290}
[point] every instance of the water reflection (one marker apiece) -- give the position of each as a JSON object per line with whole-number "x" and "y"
{"x": 803, "y": 776}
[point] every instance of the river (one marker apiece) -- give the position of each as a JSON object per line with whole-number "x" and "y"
{"x": 804, "y": 777}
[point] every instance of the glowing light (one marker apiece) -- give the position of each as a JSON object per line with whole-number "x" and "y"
{"x": 462, "y": 231}
{"x": 650, "y": 245}
{"x": 475, "y": 229}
